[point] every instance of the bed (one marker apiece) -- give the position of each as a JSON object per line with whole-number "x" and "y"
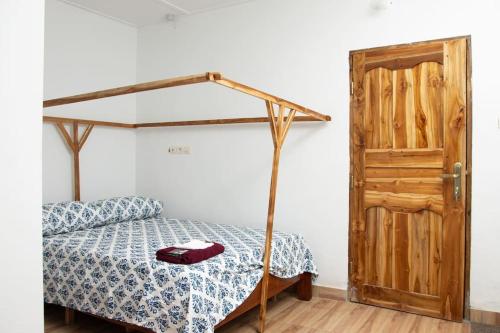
{"x": 99, "y": 258}
{"x": 281, "y": 113}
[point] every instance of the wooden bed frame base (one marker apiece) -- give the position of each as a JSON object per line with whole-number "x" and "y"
{"x": 302, "y": 283}
{"x": 276, "y": 285}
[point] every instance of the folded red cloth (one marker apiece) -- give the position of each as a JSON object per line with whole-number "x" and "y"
{"x": 186, "y": 257}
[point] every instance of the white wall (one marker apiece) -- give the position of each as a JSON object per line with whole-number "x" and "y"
{"x": 300, "y": 51}
{"x": 86, "y": 52}
{"x": 21, "y": 68}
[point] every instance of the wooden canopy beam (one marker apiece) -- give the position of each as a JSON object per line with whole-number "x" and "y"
{"x": 181, "y": 81}
{"x": 131, "y": 89}
{"x": 220, "y": 121}
{"x": 224, "y": 121}
{"x": 268, "y": 97}
{"x": 61, "y": 120}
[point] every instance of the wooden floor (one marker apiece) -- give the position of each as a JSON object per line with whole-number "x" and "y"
{"x": 287, "y": 314}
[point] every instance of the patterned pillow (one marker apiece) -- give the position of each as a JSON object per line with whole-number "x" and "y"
{"x": 70, "y": 216}
{"x": 121, "y": 209}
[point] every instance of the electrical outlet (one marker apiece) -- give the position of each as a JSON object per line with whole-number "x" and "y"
{"x": 179, "y": 150}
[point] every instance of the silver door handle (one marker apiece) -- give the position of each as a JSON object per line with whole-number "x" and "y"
{"x": 450, "y": 175}
{"x": 457, "y": 179}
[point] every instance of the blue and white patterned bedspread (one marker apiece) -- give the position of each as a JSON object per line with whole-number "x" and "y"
{"x": 111, "y": 271}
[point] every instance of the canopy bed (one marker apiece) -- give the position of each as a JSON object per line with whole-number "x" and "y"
{"x": 279, "y": 121}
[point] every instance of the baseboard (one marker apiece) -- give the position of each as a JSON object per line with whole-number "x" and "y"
{"x": 476, "y": 316}
{"x": 330, "y": 293}
{"x": 485, "y": 317}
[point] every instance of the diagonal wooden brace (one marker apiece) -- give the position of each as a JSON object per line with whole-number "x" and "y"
{"x": 75, "y": 144}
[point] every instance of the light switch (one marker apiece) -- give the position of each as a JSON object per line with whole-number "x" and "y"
{"x": 179, "y": 150}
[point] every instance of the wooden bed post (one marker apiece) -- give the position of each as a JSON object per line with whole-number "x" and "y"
{"x": 279, "y": 129}
{"x": 76, "y": 161}
{"x": 69, "y": 316}
{"x": 75, "y": 144}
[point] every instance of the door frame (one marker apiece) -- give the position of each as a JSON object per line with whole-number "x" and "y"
{"x": 468, "y": 180}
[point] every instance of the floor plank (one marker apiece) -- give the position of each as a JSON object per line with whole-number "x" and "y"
{"x": 289, "y": 315}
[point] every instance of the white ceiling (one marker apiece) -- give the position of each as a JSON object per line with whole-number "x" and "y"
{"x": 139, "y": 13}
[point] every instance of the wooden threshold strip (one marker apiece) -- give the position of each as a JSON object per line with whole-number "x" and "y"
{"x": 60, "y": 120}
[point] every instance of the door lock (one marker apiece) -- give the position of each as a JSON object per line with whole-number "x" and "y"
{"x": 457, "y": 180}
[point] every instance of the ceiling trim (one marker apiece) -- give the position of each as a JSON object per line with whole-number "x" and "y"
{"x": 97, "y": 12}
{"x": 168, "y": 3}
{"x": 227, "y": 5}
{"x": 184, "y": 12}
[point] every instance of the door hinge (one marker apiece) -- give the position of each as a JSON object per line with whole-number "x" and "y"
{"x": 352, "y": 88}
{"x": 353, "y": 295}
{"x": 352, "y": 291}
{"x": 351, "y": 182}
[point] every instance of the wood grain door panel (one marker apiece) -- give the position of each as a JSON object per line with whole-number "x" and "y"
{"x": 408, "y": 121}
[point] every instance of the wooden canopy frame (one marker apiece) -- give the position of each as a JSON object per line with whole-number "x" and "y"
{"x": 279, "y": 122}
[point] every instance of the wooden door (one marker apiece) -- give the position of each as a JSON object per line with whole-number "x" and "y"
{"x": 408, "y": 129}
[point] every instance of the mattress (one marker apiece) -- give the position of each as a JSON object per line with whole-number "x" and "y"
{"x": 111, "y": 271}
